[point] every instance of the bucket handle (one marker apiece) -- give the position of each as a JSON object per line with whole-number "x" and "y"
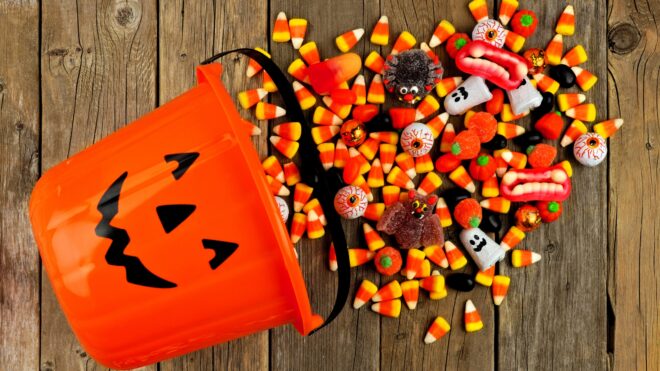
{"x": 327, "y": 183}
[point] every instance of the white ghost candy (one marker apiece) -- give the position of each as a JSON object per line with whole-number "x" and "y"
{"x": 524, "y": 98}
{"x": 590, "y": 149}
{"x": 417, "y": 139}
{"x": 472, "y": 92}
{"x": 483, "y": 250}
{"x": 490, "y": 31}
{"x": 351, "y": 202}
{"x": 284, "y": 208}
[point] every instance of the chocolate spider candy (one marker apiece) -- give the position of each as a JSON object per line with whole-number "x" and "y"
{"x": 411, "y": 75}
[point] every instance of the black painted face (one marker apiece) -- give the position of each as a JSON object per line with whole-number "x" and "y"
{"x": 170, "y": 216}
{"x": 460, "y": 94}
{"x": 477, "y": 243}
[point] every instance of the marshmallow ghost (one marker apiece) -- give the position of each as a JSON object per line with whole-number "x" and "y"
{"x": 483, "y": 250}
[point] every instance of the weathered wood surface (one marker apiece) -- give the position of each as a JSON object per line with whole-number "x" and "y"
{"x": 87, "y": 68}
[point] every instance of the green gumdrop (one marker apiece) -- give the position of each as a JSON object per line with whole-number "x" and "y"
{"x": 482, "y": 160}
{"x": 474, "y": 222}
{"x": 526, "y": 20}
{"x": 455, "y": 149}
{"x": 386, "y": 262}
{"x": 553, "y": 206}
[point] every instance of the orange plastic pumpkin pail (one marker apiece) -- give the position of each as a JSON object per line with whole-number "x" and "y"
{"x": 164, "y": 237}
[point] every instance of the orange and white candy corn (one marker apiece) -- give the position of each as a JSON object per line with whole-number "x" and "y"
{"x": 369, "y": 148}
{"x": 447, "y": 85}
{"x": 391, "y": 137}
{"x": 347, "y": 40}
{"x": 301, "y": 194}
{"x": 443, "y": 213}
{"x": 249, "y": 98}
{"x": 291, "y": 174}
{"x": 436, "y": 254}
{"x": 297, "y": 29}
{"x": 430, "y": 183}
{"x": 322, "y": 134}
{"x": 507, "y": 113}
{"x": 253, "y": 67}
{"x": 323, "y": 116}
{"x": 288, "y": 130}
{"x": 583, "y": 112}
{"x": 381, "y": 32}
{"x": 341, "y": 154}
{"x": 607, "y": 128}
{"x": 310, "y": 53}
{"x": 439, "y": 328}
{"x": 502, "y": 166}
{"x": 298, "y": 226}
{"x": 516, "y": 160}
{"x": 390, "y": 308}
{"x": 472, "y": 318}
{"x": 438, "y": 295}
{"x": 427, "y": 49}
{"x": 512, "y": 238}
{"x": 364, "y": 293}
{"x": 455, "y": 257}
{"x": 399, "y": 178}
{"x": 286, "y": 147}
{"x": 569, "y": 100}
{"x": 447, "y": 138}
{"x": 426, "y": 107}
{"x": 273, "y": 168}
{"x": 490, "y": 187}
{"x": 376, "y": 178}
{"x": 462, "y": 179}
{"x": 423, "y": 164}
{"x": 341, "y": 110}
{"x": 514, "y": 41}
{"x": 437, "y": 124}
{"x": 327, "y": 154}
{"x": 500, "y": 288}
{"x": 479, "y": 10}
{"x": 362, "y": 183}
{"x": 507, "y": 9}
{"x": 406, "y": 163}
{"x": 433, "y": 283}
{"x": 573, "y": 132}
{"x": 268, "y": 83}
{"x": 374, "y": 62}
{"x": 315, "y": 205}
{"x": 332, "y": 258}
{"x": 414, "y": 262}
{"x": 359, "y": 257}
{"x": 281, "y": 32}
{"x": 423, "y": 272}
{"x": 298, "y": 70}
{"x": 390, "y": 194}
{"x": 585, "y": 79}
{"x": 485, "y": 278}
{"x": 276, "y": 187}
{"x": 268, "y": 111}
{"x": 387, "y": 156}
{"x": 546, "y": 84}
{"x": 388, "y": 292}
{"x": 523, "y": 258}
{"x": 404, "y": 42}
{"x": 374, "y": 240}
{"x": 362, "y": 162}
{"x": 374, "y": 211}
{"x": 554, "y": 50}
{"x": 410, "y": 291}
{"x": 254, "y": 129}
{"x": 442, "y": 32}
{"x": 497, "y": 204}
{"x": 575, "y": 56}
{"x": 305, "y": 98}
{"x": 376, "y": 93}
{"x": 360, "y": 89}
{"x": 566, "y": 23}
{"x": 509, "y": 131}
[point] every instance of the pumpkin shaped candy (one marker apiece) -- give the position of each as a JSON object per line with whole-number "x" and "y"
{"x": 482, "y": 167}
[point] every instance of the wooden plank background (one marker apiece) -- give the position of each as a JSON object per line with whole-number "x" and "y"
{"x": 75, "y": 71}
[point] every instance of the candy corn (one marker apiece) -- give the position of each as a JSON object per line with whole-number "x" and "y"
{"x": 388, "y": 292}
{"x": 322, "y": 134}
{"x": 381, "y": 32}
{"x": 374, "y": 241}
{"x": 376, "y": 93}
{"x": 423, "y": 272}
{"x": 546, "y": 84}
{"x": 327, "y": 154}
{"x": 447, "y": 85}
{"x": 399, "y": 178}
{"x": 573, "y": 132}
{"x": 292, "y": 175}
{"x": 423, "y": 164}
{"x": 607, "y": 128}
{"x": 276, "y": 187}
{"x": 485, "y": 278}
{"x": 364, "y": 293}
{"x": 509, "y": 131}
{"x": 268, "y": 83}
{"x": 438, "y": 295}
{"x": 359, "y": 257}
{"x": 310, "y": 53}
{"x": 273, "y": 168}
{"x": 298, "y": 70}
{"x": 288, "y": 130}
{"x": 584, "y": 112}
{"x": 433, "y": 283}
{"x": 314, "y": 226}
{"x": 455, "y": 257}
{"x": 306, "y": 99}
{"x": 391, "y": 308}
{"x": 462, "y": 179}
{"x": 253, "y": 67}
{"x": 374, "y": 62}
{"x": 347, "y": 40}
{"x": 516, "y": 160}
{"x": 362, "y": 183}
{"x": 443, "y": 213}
{"x": 414, "y": 262}
{"x": 362, "y": 163}
{"x": 507, "y": 8}
{"x": 430, "y": 183}
{"x": 585, "y": 79}
{"x": 507, "y": 113}
{"x": 391, "y": 137}
{"x": 297, "y": 29}
{"x": 436, "y": 254}
{"x": 567, "y": 167}
{"x": 554, "y": 50}
{"x": 490, "y": 188}
{"x": 437, "y": 124}
{"x": 387, "y": 156}
{"x": 441, "y": 33}
{"x": 479, "y": 10}
{"x": 374, "y": 211}
{"x": 502, "y": 166}
{"x": 514, "y": 41}
{"x": 439, "y": 328}
{"x": 406, "y": 163}
{"x": 523, "y": 258}
{"x": 268, "y": 111}
{"x": 447, "y": 138}
{"x": 323, "y": 116}
{"x": 390, "y": 194}
{"x": 298, "y": 226}
{"x": 341, "y": 154}
{"x": 285, "y": 147}
{"x": 497, "y": 204}
{"x": 254, "y": 129}
{"x": 249, "y": 98}
{"x": 471, "y": 318}
{"x": 575, "y": 56}
{"x": 281, "y": 32}
{"x": 410, "y": 292}
{"x": 566, "y": 22}
{"x": 500, "y": 288}
{"x": 301, "y": 194}
{"x": 341, "y": 110}
{"x": 360, "y": 90}
{"x": 332, "y": 258}
{"x": 369, "y": 148}
{"x": 570, "y": 100}
{"x": 376, "y": 178}
{"x": 404, "y": 42}
{"x": 426, "y": 107}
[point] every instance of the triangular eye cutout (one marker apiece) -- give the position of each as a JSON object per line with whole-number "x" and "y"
{"x": 222, "y": 249}
{"x": 184, "y": 160}
{"x": 171, "y": 216}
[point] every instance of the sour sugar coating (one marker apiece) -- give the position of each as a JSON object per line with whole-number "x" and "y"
{"x": 484, "y": 251}
{"x": 388, "y": 261}
{"x": 484, "y": 125}
{"x": 468, "y": 213}
{"x": 411, "y": 75}
{"x": 412, "y": 222}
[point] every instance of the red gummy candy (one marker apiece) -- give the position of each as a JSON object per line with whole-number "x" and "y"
{"x": 541, "y": 155}
{"x": 483, "y": 167}
{"x": 388, "y": 261}
{"x": 343, "y": 96}
{"x": 467, "y": 213}
{"x": 455, "y": 43}
{"x": 495, "y": 104}
{"x": 524, "y": 23}
{"x": 484, "y": 125}
{"x": 402, "y": 116}
{"x": 550, "y": 125}
{"x": 365, "y": 112}
{"x": 447, "y": 163}
{"x": 549, "y": 210}
{"x": 466, "y": 145}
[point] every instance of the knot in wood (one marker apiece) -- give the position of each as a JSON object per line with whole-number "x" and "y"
{"x": 127, "y": 14}
{"x": 623, "y": 38}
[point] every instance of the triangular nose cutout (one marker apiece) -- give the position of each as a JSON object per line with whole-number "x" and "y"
{"x": 222, "y": 250}
{"x": 171, "y": 216}
{"x": 184, "y": 160}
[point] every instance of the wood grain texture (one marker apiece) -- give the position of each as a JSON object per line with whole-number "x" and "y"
{"x": 634, "y": 195}
{"x": 19, "y": 169}
{"x": 98, "y": 73}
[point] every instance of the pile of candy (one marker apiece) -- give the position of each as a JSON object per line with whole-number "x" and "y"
{"x": 388, "y": 150}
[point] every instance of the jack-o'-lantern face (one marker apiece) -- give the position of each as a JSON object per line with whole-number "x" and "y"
{"x": 171, "y": 216}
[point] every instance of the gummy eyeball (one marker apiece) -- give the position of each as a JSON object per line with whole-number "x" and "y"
{"x": 490, "y": 31}
{"x": 351, "y": 202}
{"x": 284, "y": 208}
{"x": 417, "y": 139}
{"x": 353, "y": 133}
{"x": 590, "y": 149}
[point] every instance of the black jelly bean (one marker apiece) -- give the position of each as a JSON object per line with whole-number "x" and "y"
{"x": 460, "y": 281}
{"x": 563, "y": 74}
{"x": 498, "y": 142}
{"x": 527, "y": 139}
{"x": 454, "y": 196}
{"x": 490, "y": 222}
